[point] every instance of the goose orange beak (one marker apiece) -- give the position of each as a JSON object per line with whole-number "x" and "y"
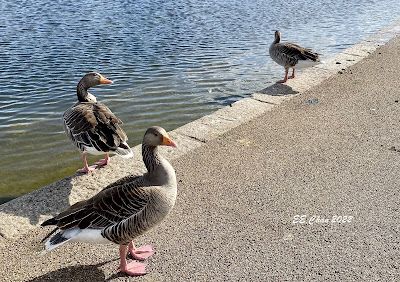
{"x": 168, "y": 141}
{"x": 104, "y": 80}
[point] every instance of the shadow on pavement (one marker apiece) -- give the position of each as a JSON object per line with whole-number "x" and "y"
{"x": 74, "y": 273}
{"x": 48, "y": 200}
{"x": 278, "y": 89}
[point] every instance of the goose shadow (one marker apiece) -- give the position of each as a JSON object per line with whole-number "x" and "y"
{"x": 278, "y": 89}
{"x": 227, "y": 100}
{"x": 80, "y": 273}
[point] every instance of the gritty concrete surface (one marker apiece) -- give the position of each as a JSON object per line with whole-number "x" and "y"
{"x": 331, "y": 151}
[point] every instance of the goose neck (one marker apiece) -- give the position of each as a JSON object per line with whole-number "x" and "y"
{"x": 81, "y": 91}
{"x": 277, "y": 39}
{"x": 151, "y": 157}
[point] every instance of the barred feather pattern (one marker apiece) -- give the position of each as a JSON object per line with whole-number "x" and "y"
{"x": 128, "y": 207}
{"x": 157, "y": 208}
{"x": 289, "y": 54}
{"x": 93, "y": 125}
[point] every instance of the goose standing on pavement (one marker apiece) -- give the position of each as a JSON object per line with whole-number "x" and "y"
{"x": 290, "y": 55}
{"x": 92, "y": 127}
{"x": 125, "y": 209}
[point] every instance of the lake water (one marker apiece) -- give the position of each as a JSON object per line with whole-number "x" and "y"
{"x": 171, "y": 61}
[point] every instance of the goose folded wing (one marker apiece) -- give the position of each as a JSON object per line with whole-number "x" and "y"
{"x": 123, "y": 180}
{"x": 290, "y": 52}
{"x": 94, "y": 125}
{"x": 108, "y": 207}
{"x": 297, "y": 52}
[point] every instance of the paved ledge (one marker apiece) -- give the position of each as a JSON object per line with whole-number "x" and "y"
{"x": 211, "y": 126}
{"x": 21, "y": 215}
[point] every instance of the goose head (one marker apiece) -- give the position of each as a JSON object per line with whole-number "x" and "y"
{"x": 93, "y": 79}
{"x": 89, "y": 80}
{"x": 277, "y": 36}
{"x": 157, "y": 136}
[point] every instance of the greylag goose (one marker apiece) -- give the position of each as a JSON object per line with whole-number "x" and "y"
{"x": 92, "y": 127}
{"x": 123, "y": 210}
{"x": 290, "y": 55}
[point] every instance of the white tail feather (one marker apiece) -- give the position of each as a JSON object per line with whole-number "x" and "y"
{"x": 125, "y": 153}
{"x": 67, "y": 235}
{"x": 48, "y": 246}
{"x": 76, "y": 235}
{"x": 301, "y": 64}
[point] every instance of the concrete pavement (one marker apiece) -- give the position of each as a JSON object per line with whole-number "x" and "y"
{"x": 332, "y": 151}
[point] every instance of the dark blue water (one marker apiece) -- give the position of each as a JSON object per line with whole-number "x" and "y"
{"x": 171, "y": 61}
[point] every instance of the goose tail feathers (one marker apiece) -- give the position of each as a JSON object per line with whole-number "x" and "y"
{"x": 124, "y": 151}
{"x": 59, "y": 239}
{"x": 310, "y": 55}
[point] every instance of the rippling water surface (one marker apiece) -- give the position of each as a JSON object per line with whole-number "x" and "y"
{"x": 171, "y": 61}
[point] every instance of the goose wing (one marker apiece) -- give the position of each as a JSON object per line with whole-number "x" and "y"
{"x": 93, "y": 125}
{"x": 123, "y": 180}
{"x": 108, "y": 207}
{"x": 292, "y": 53}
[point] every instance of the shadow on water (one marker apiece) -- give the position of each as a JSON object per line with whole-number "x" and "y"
{"x": 226, "y": 101}
{"x": 6, "y": 199}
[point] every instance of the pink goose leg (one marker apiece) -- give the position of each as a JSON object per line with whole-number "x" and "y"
{"x": 292, "y": 76}
{"x": 140, "y": 253}
{"x": 286, "y": 76}
{"x": 133, "y": 268}
{"x": 105, "y": 161}
{"x": 86, "y": 168}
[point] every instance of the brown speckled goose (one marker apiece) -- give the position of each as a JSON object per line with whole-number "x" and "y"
{"x": 290, "y": 55}
{"x": 92, "y": 127}
{"x": 125, "y": 209}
